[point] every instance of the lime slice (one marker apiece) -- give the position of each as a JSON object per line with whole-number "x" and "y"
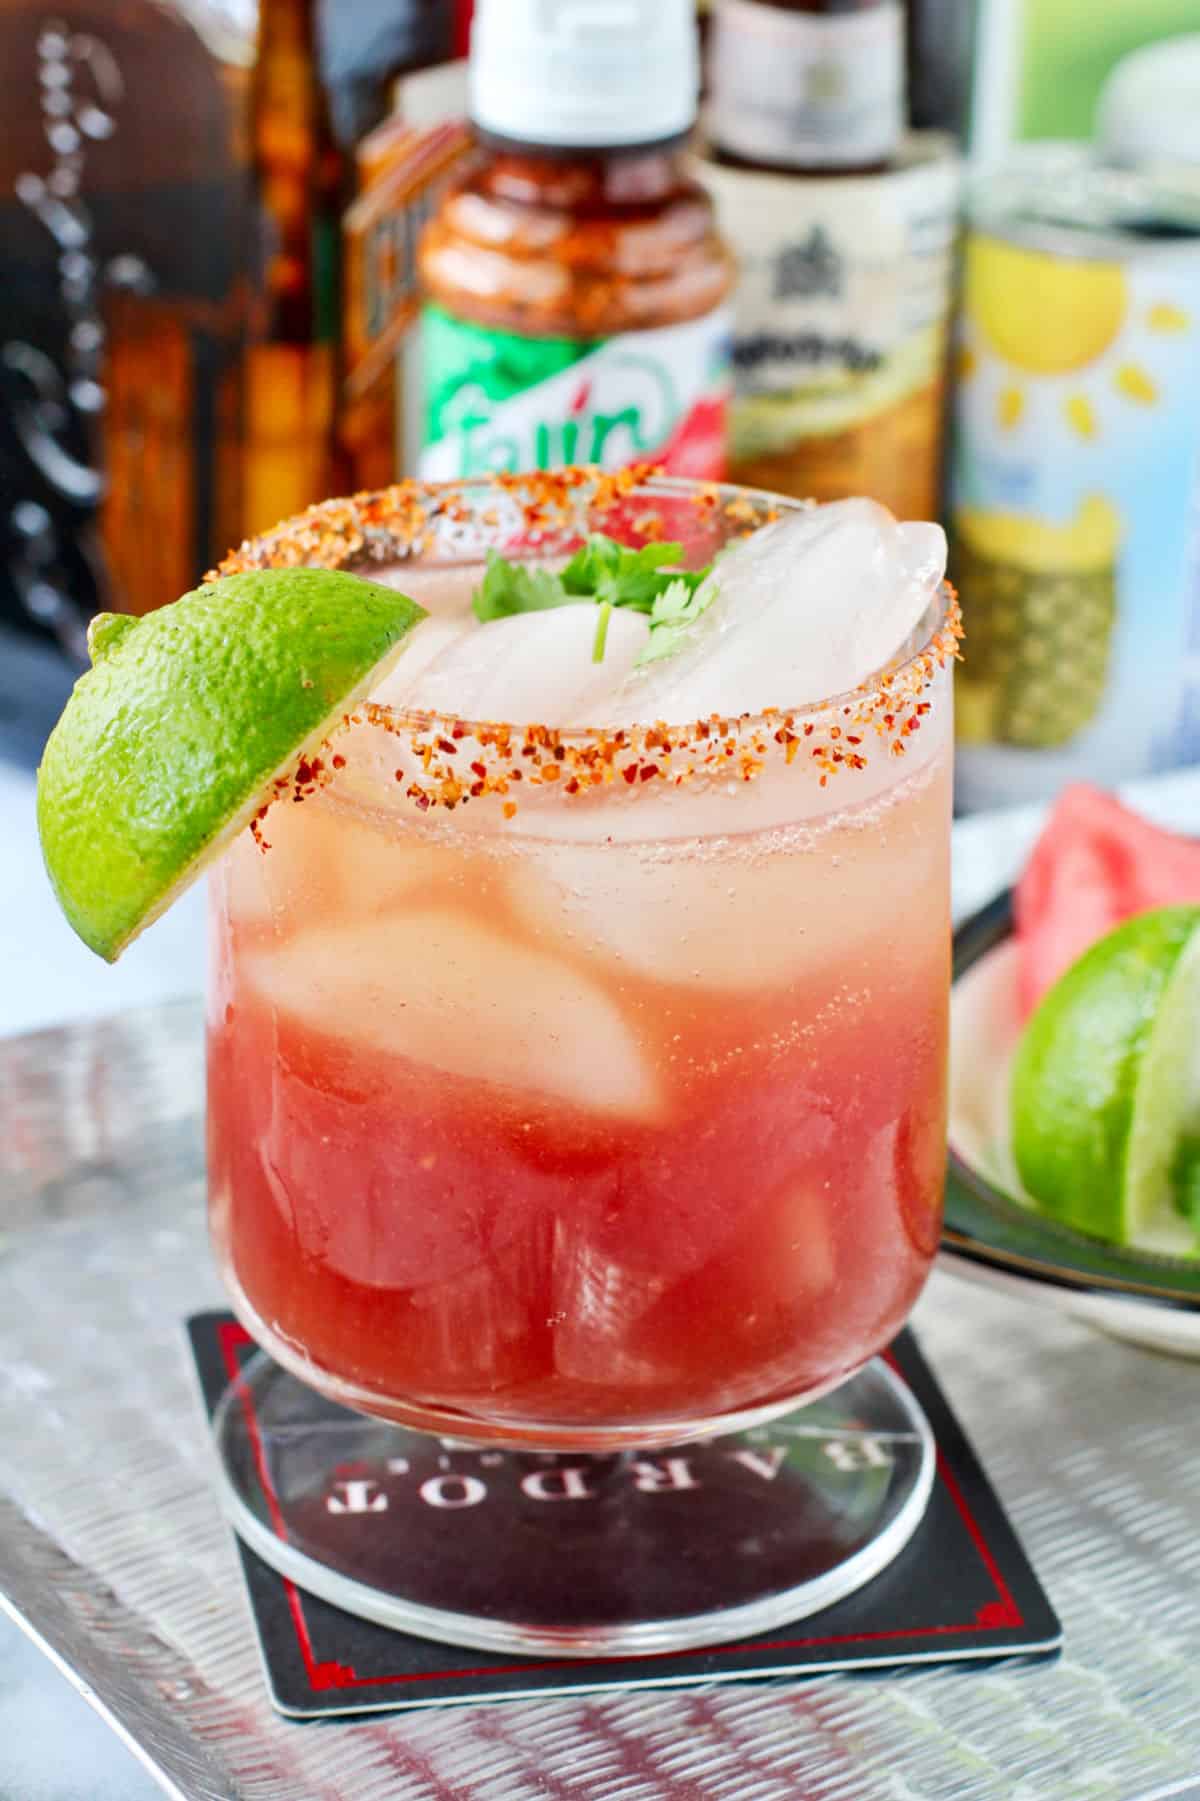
{"x": 1106, "y": 1083}
{"x": 171, "y": 740}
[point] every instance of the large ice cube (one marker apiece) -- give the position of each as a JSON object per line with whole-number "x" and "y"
{"x": 426, "y": 644}
{"x": 443, "y": 590}
{"x": 448, "y": 992}
{"x": 807, "y": 608}
{"x": 675, "y": 915}
{"x": 724, "y": 922}
{"x": 323, "y": 862}
{"x": 532, "y": 669}
{"x": 717, "y": 895}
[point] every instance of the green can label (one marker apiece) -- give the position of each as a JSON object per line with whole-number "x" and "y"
{"x": 497, "y": 401}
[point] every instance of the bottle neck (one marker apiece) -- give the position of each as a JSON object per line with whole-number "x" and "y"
{"x": 585, "y": 75}
{"x": 815, "y": 88}
{"x": 286, "y": 35}
{"x": 297, "y": 176}
{"x": 545, "y": 175}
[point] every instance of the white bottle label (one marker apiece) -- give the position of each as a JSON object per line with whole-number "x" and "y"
{"x": 811, "y": 91}
{"x": 840, "y": 325}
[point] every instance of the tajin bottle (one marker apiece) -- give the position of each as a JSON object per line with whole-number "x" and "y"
{"x": 574, "y": 278}
{"x": 812, "y": 85}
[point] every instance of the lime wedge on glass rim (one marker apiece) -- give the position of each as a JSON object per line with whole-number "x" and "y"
{"x": 170, "y": 742}
{"x": 1105, "y": 1097}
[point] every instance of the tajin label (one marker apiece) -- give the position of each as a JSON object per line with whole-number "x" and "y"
{"x": 495, "y": 400}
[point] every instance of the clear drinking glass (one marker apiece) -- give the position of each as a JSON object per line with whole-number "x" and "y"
{"x": 574, "y": 1091}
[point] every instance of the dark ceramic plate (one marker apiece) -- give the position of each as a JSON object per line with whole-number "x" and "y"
{"x": 1151, "y": 1296}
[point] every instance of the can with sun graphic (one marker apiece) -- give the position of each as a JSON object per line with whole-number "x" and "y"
{"x": 1076, "y": 478}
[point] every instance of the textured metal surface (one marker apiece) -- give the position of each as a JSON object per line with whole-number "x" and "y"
{"x": 112, "y": 1549}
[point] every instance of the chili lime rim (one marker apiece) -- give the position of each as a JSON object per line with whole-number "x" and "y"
{"x": 445, "y": 761}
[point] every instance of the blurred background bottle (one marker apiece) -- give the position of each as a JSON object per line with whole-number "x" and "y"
{"x": 939, "y": 64}
{"x": 807, "y": 85}
{"x": 122, "y": 216}
{"x": 325, "y": 125}
{"x": 290, "y": 368}
{"x": 401, "y": 168}
{"x": 843, "y": 224}
{"x": 172, "y": 174}
{"x": 575, "y": 285}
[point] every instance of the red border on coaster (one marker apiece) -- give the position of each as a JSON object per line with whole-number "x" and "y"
{"x": 323, "y": 1675}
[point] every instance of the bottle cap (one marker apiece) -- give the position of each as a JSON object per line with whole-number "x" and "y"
{"x": 584, "y": 73}
{"x": 1149, "y": 108}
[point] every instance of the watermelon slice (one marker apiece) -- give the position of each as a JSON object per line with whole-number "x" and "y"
{"x": 1095, "y": 864}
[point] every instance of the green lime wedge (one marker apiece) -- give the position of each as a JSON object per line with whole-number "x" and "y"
{"x": 169, "y": 743}
{"x": 1105, "y": 1092}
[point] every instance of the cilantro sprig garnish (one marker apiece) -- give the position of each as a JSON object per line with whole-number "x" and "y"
{"x": 604, "y": 574}
{"x": 613, "y": 573}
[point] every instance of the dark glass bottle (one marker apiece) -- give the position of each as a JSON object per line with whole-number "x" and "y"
{"x": 122, "y": 213}
{"x": 290, "y": 373}
{"x": 940, "y": 44}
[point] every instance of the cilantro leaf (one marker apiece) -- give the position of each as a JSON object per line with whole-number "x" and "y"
{"x": 612, "y": 573}
{"x": 594, "y": 562}
{"x": 606, "y": 574}
{"x": 509, "y": 588}
{"x": 675, "y": 610}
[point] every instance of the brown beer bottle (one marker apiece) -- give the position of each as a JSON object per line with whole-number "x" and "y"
{"x": 290, "y": 372}
{"x": 808, "y": 86}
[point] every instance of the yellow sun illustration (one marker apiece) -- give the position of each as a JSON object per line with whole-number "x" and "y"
{"x": 1042, "y": 313}
{"x": 1047, "y": 315}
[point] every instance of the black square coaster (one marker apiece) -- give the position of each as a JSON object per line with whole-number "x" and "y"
{"x": 962, "y": 1588}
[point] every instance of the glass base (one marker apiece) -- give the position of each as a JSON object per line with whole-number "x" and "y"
{"x": 575, "y": 1554}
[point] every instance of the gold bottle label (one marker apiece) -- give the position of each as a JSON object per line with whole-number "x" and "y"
{"x": 402, "y": 170}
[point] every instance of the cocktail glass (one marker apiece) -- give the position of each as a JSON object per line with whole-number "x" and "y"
{"x": 577, "y": 1123}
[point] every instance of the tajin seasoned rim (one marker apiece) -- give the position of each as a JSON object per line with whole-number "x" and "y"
{"x": 443, "y": 761}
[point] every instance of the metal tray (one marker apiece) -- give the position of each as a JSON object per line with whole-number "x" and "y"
{"x": 113, "y": 1552}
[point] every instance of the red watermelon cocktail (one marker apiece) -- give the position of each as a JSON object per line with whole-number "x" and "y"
{"x": 577, "y": 1038}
